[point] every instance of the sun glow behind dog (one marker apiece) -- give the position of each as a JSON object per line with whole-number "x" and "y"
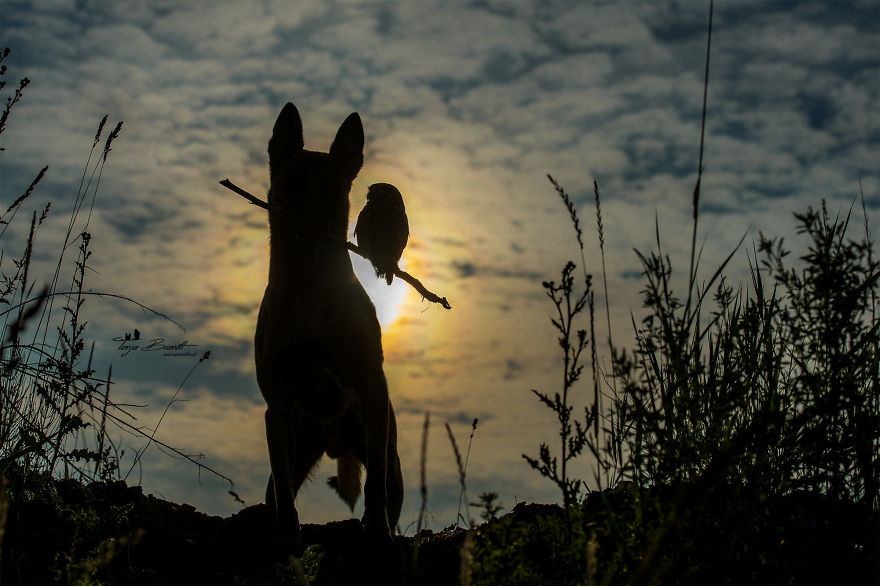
{"x": 387, "y": 298}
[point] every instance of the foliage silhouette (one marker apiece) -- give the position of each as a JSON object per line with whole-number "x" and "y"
{"x": 742, "y": 428}
{"x": 765, "y": 400}
{"x": 57, "y": 417}
{"x": 54, "y": 410}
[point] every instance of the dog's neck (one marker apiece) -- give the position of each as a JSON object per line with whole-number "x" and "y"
{"x": 301, "y": 253}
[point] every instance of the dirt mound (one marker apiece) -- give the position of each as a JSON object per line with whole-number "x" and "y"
{"x": 63, "y": 531}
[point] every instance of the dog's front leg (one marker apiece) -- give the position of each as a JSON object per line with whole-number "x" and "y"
{"x": 376, "y": 412}
{"x": 278, "y": 434}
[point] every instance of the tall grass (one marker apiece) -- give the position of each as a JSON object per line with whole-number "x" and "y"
{"x": 744, "y": 418}
{"x": 747, "y": 422}
{"x": 48, "y": 383}
{"x": 569, "y": 303}
{"x": 56, "y": 412}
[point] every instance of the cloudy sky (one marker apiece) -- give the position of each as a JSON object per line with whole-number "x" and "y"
{"x": 467, "y": 106}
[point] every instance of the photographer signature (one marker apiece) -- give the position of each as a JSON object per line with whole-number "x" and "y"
{"x": 132, "y": 343}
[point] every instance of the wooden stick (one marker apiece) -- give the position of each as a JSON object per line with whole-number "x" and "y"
{"x": 251, "y": 198}
{"x": 398, "y": 272}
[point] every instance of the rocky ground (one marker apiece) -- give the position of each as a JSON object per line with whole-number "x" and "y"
{"x": 64, "y": 532}
{"x": 60, "y": 531}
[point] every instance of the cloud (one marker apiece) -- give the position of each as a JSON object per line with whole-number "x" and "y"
{"x": 466, "y": 107}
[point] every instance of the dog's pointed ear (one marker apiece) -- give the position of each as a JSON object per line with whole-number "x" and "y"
{"x": 348, "y": 146}
{"x": 287, "y": 136}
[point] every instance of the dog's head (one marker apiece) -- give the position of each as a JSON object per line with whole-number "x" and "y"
{"x": 310, "y": 189}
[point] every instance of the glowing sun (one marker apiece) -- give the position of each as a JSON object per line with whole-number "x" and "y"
{"x": 387, "y": 299}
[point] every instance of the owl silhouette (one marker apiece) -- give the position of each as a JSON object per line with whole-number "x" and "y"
{"x": 382, "y": 229}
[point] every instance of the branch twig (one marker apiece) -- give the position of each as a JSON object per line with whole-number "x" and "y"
{"x": 398, "y": 272}
{"x": 251, "y": 198}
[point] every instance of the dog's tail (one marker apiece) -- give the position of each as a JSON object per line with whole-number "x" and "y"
{"x": 347, "y": 481}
